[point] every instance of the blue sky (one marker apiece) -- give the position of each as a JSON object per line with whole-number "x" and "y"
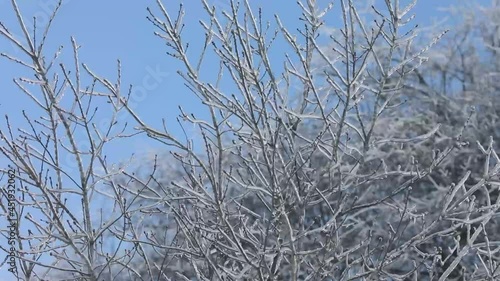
{"x": 114, "y": 29}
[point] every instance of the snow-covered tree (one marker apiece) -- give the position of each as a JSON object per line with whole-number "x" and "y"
{"x": 348, "y": 151}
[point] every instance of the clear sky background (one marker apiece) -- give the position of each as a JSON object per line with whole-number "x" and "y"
{"x": 116, "y": 29}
